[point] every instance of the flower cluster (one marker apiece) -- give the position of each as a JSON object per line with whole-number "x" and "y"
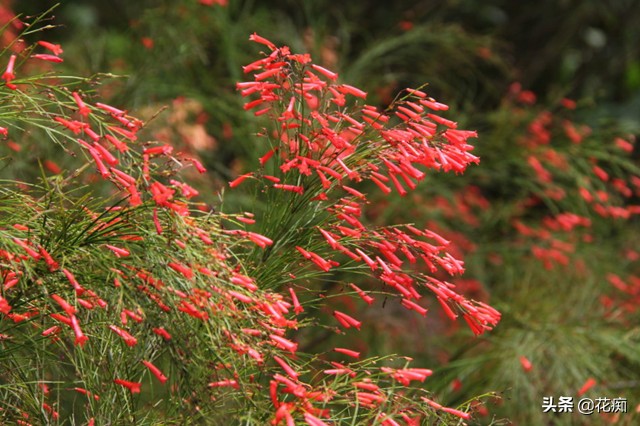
{"x": 326, "y": 150}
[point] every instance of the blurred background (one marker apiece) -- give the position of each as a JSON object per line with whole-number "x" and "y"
{"x": 547, "y": 223}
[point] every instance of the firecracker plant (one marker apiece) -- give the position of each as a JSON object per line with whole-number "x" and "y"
{"x": 124, "y": 300}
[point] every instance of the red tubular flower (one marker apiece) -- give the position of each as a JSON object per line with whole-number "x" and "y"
{"x": 388, "y": 421}
{"x": 347, "y": 352}
{"x": 602, "y": 175}
{"x": 123, "y": 132}
{"x": 397, "y": 185}
{"x": 130, "y": 314}
{"x": 119, "y": 252}
{"x": 63, "y": 319}
{"x": 591, "y": 382}
{"x": 85, "y": 304}
{"x": 5, "y": 308}
{"x": 48, "y": 58}
{"x": 431, "y": 403}
{"x": 297, "y": 308}
{"x": 187, "y": 190}
{"x": 198, "y": 165}
{"x": 82, "y": 108}
{"x": 159, "y": 150}
{"x": 322, "y": 263}
{"x": 370, "y": 400}
{"x": 184, "y": 270}
{"x": 81, "y": 339}
{"x": 291, "y": 188}
{"x": 286, "y": 367}
{"x": 260, "y": 240}
{"x": 239, "y": 296}
{"x": 225, "y": 383}
{"x": 346, "y": 320}
{"x": 447, "y": 309}
{"x": 327, "y": 73}
{"x": 244, "y": 281}
{"x": 161, "y": 194}
{"x": 239, "y": 180}
{"x": 123, "y": 179}
{"x": 9, "y": 75}
{"x": 134, "y": 387}
{"x": 104, "y": 172}
{"x": 340, "y": 371}
{"x": 265, "y": 75}
{"x": 313, "y": 420}
{"x": 87, "y": 393}
{"x": 457, "y": 413}
{"x": 414, "y": 306}
{"x": 258, "y": 39}
{"x": 110, "y": 109}
{"x": 267, "y": 156}
{"x": 10, "y": 282}
{"x": 526, "y": 364}
{"x": 49, "y": 331}
{"x": 128, "y": 338}
{"x": 54, "y": 414}
{"x": 381, "y": 185}
{"x": 246, "y": 220}
{"x": 54, "y": 48}
{"x": 11, "y": 279}
{"x": 52, "y": 264}
{"x": 105, "y": 154}
{"x": 432, "y": 104}
{"x": 367, "y": 385}
{"x": 353, "y": 192}
{"x": 350, "y": 90}
{"x": 283, "y": 343}
{"x": 362, "y": 294}
{"x": 70, "y": 310}
{"x": 192, "y": 311}
{"x": 162, "y": 333}
{"x": 134, "y": 199}
{"x": 35, "y": 255}
{"x": 156, "y": 222}
{"x": 120, "y": 146}
{"x": 283, "y": 412}
{"x": 155, "y": 371}
{"x": 474, "y": 324}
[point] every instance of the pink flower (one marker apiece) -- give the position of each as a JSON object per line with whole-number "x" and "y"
{"x": 526, "y": 364}
{"x": 128, "y": 338}
{"x": 5, "y": 308}
{"x": 54, "y": 48}
{"x": 162, "y": 333}
{"x": 239, "y": 180}
{"x": 119, "y": 252}
{"x": 134, "y": 387}
{"x": 9, "y": 75}
{"x": 591, "y": 382}
{"x": 255, "y": 37}
{"x": 348, "y": 352}
{"x": 329, "y": 74}
{"x": 155, "y": 371}
{"x": 48, "y": 58}
{"x": 346, "y": 320}
{"x": 81, "y": 339}
{"x": 70, "y": 310}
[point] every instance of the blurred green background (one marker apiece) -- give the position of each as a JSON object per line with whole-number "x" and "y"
{"x": 507, "y": 70}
